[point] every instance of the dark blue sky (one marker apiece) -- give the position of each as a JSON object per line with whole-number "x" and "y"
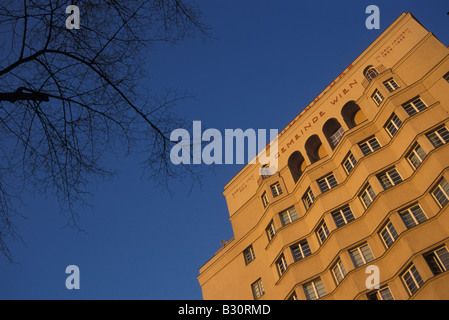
{"x": 270, "y": 60}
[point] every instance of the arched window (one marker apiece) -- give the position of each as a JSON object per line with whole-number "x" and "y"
{"x": 352, "y": 114}
{"x": 333, "y": 132}
{"x": 314, "y": 148}
{"x": 296, "y": 164}
{"x": 370, "y": 73}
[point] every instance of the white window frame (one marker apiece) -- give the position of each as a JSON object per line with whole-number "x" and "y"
{"x": 413, "y": 277}
{"x": 350, "y": 159}
{"x": 257, "y": 289}
{"x": 313, "y": 284}
{"x": 378, "y": 293}
{"x": 330, "y": 182}
{"x": 416, "y": 154}
{"x": 362, "y": 256}
{"x": 391, "y": 85}
{"x": 444, "y": 192}
{"x": 325, "y": 231}
{"x": 414, "y": 105}
{"x": 299, "y": 247}
{"x": 288, "y": 213}
{"x": 409, "y": 211}
{"x": 369, "y": 144}
{"x": 371, "y": 73}
{"x": 377, "y": 97}
{"x": 441, "y": 140}
{"x": 368, "y": 190}
{"x": 389, "y": 175}
{"x": 438, "y": 260}
{"x": 281, "y": 265}
{"x": 276, "y": 189}
{"x": 342, "y": 213}
{"x": 271, "y": 230}
{"x": 339, "y": 267}
{"x": 249, "y": 255}
{"x": 308, "y": 198}
{"x": 393, "y": 234}
{"x": 393, "y": 124}
{"x": 265, "y": 199}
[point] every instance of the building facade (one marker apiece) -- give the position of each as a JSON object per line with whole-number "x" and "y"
{"x": 361, "y": 192}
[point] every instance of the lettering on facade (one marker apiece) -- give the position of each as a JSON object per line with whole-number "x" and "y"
{"x": 393, "y": 44}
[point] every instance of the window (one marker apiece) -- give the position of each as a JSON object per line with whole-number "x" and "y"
{"x": 381, "y": 294}
{"x": 377, "y": 97}
{"x": 257, "y": 288}
{"x": 336, "y": 137}
{"x": 438, "y": 137}
{"x": 349, "y": 163}
{"x": 441, "y": 193}
{"x": 308, "y": 198}
{"x": 367, "y": 196}
{"x": 371, "y": 73}
{"x": 265, "y": 199}
{"x": 361, "y": 255}
{"x": 276, "y": 189}
{"x": 391, "y": 85}
{"x": 288, "y": 216}
{"x": 389, "y": 178}
{"x": 249, "y": 255}
{"x": 412, "y": 216}
{"x": 293, "y": 296}
{"x": 322, "y": 232}
{"x": 438, "y": 260}
{"x": 412, "y": 280}
{"x": 369, "y": 146}
{"x": 388, "y": 234}
{"x": 339, "y": 271}
{"x": 416, "y": 156}
{"x": 281, "y": 264}
{"x": 393, "y": 124}
{"x": 314, "y": 289}
{"x": 327, "y": 183}
{"x": 343, "y": 216}
{"x": 446, "y": 77}
{"x": 414, "y": 106}
{"x": 300, "y": 250}
{"x": 271, "y": 230}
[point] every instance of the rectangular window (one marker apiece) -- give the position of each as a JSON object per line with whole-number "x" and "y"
{"x": 293, "y": 296}
{"x": 438, "y": 137}
{"x": 381, "y": 294}
{"x": 327, "y": 183}
{"x": 322, "y": 232}
{"x": 377, "y": 97}
{"x": 288, "y": 216}
{"x": 393, "y": 124}
{"x": 343, "y": 216}
{"x": 441, "y": 193}
{"x": 412, "y": 216}
{"x": 369, "y": 146}
{"x": 446, "y": 77}
{"x": 249, "y": 255}
{"x": 276, "y": 189}
{"x": 388, "y": 234}
{"x": 438, "y": 260}
{"x": 389, "y": 178}
{"x": 308, "y": 198}
{"x": 271, "y": 231}
{"x": 281, "y": 264}
{"x": 314, "y": 289}
{"x": 257, "y": 288}
{"x": 412, "y": 279}
{"x": 300, "y": 250}
{"x": 367, "y": 196}
{"x": 416, "y": 156}
{"x": 349, "y": 163}
{"x": 361, "y": 255}
{"x": 336, "y": 137}
{"x": 339, "y": 272}
{"x": 414, "y": 106}
{"x": 265, "y": 199}
{"x": 391, "y": 85}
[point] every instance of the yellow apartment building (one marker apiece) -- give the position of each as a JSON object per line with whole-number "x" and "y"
{"x": 358, "y": 208}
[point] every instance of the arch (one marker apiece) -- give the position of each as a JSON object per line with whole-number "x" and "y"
{"x": 352, "y": 114}
{"x": 296, "y": 164}
{"x": 314, "y": 149}
{"x": 333, "y": 131}
{"x": 370, "y": 73}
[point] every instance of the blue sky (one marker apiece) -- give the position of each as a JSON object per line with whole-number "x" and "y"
{"x": 269, "y": 60}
